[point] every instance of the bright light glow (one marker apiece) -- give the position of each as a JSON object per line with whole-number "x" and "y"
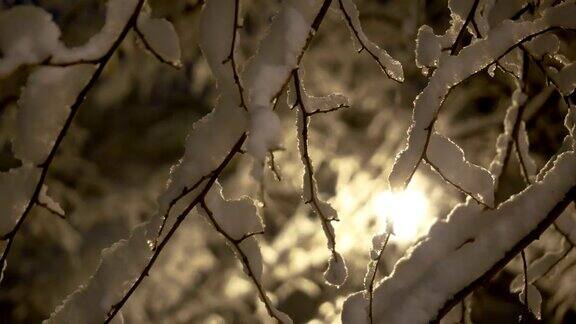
{"x": 408, "y": 210}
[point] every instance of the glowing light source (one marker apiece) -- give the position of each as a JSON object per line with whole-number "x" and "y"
{"x": 408, "y": 210}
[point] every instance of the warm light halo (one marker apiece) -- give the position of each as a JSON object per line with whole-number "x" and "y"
{"x": 409, "y": 211}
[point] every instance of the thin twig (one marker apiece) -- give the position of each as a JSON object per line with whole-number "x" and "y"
{"x": 174, "y": 201}
{"x": 51, "y": 210}
{"x": 142, "y": 37}
{"x": 370, "y": 287}
{"x": 533, "y": 235}
{"x": 328, "y": 110}
{"x": 456, "y": 46}
{"x": 232, "y": 56}
{"x": 314, "y": 201}
{"x": 469, "y": 194}
{"x": 235, "y": 243}
{"x": 361, "y": 42}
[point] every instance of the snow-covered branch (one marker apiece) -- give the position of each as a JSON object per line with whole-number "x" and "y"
{"x": 468, "y": 248}
{"x": 452, "y": 70}
{"x": 39, "y": 144}
{"x": 337, "y": 272}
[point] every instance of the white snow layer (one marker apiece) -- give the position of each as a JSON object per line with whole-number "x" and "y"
{"x": 118, "y": 12}
{"x": 28, "y": 36}
{"x": 44, "y": 105}
{"x": 162, "y": 38}
{"x": 16, "y": 185}
{"x": 448, "y": 159}
{"x": 268, "y": 70}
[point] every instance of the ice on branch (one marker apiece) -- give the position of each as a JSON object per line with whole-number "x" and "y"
{"x": 447, "y": 159}
{"x": 118, "y": 12}
{"x": 429, "y": 47}
{"x": 29, "y": 36}
{"x": 214, "y": 135}
{"x": 337, "y": 272}
{"x": 267, "y": 72}
{"x": 472, "y": 243}
{"x": 44, "y": 106}
{"x": 216, "y": 31}
{"x": 389, "y": 65}
{"x": 452, "y": 70}
{"x": 160, "y": 38}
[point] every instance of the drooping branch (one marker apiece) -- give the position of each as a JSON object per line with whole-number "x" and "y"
{"x": 151, "y": 49}
{"x": 313, "y": 199}
{"x": 337, "y": 272}
{"x": 235, "y": 244}
{"x": 45, "y": 166}
{"x": 382, "y": 59}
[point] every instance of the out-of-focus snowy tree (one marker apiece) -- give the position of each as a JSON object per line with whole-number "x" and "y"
{"x": 216, "y": 161}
